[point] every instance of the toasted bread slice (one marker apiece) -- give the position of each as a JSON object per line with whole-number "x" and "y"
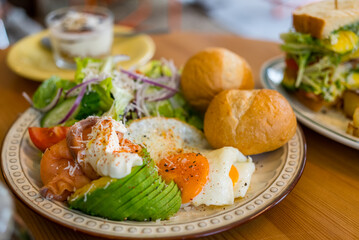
{"x": 319, "y": 19}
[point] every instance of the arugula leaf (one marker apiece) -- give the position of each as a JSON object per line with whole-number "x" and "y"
{"x": 48, "y": 90}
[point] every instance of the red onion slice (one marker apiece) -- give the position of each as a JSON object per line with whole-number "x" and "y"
{"x": 27, "y": 98}
{"x": 167, "y": 96}
{"x": 75, "y": 106}
{"x": 147, "y": 80}
{"x": 70, "y": 93}
{"x": 50, "y": 106}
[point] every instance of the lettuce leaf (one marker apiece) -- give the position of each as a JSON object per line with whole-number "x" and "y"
{"x": 103, "y": 89}
{"x": 300, "y": 43}
{"x": 155, "y": 69}
{"x": 48, "y": 90}
{"x": 176, "y": 107}
{"x": 122, "y": 97}
{"x": 83, "y": 63}
{"x": 354, "y": 27}
{"x": 90, "y": 105}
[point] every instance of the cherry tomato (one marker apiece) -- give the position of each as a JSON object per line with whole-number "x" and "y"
{"x": 44, "y": 138}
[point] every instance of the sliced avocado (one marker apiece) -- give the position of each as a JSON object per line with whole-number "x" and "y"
{"x": 139, "y": 200}
{"x": 77, "y": 199}
{"x": 106, "y": 210}
{"x": 146, "y": 201}
{"x": 155, "y": 210}
{"x": 102, "y": 188}
{"x": 174, "y": 206}
{"x": 97, "y": 190}
{"x": 90, "y": 198}
{"x": 118, "y": 210}
{"x": 142, "y": 195}
{"x": 159, "y": 202}
{"x": 160, "y": 212}
{"x": 120, "y": 188}
{"x": 125, "y": 186}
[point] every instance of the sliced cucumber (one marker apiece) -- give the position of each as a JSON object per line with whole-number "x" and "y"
{"x": 53, "y": 117}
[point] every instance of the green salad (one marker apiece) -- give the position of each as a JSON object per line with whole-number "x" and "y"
{"x": 101, "y": 89}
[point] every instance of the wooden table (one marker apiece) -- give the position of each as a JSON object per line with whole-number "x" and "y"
{"x": 323, "y": 205}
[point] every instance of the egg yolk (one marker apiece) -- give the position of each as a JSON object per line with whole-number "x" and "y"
{"x": 188, "y": 170}
{"x": 234, "y": 175}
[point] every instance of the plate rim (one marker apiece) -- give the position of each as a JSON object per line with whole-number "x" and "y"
{"x": 315, "y": 126}
{"x": 35, "y": 77}
{"x": 288, "y": 188}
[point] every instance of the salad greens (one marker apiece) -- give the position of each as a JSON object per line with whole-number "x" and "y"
{"x": 100, "y": 89}
{"x": 354, "y": 27}
{"x": 320, "y": 64}
{"x": 47, "y": 91}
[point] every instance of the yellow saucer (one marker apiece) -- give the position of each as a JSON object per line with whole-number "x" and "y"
{"x": 30, "y": 59}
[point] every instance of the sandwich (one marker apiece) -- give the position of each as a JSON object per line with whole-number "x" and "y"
{"x": 322, "y": 52}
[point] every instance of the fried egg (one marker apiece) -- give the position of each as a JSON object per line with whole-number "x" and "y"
{"x": 204, "y": 175}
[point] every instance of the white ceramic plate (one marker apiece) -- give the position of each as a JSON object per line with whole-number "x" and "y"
{"x": 328, "y": 122}
{"x": 276, "y": 174}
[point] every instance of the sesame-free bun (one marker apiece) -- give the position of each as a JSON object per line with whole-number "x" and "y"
{"x": 254, "y": 121}
{"x": 211, "y": 71}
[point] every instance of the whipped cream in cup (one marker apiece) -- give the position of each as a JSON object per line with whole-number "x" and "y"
{"x": 82, "y": 31}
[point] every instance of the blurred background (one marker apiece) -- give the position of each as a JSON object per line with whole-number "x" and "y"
{"x": 258, "y": 19}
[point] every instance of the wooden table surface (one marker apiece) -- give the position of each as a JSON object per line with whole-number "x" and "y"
{"x": 323, "y": 205}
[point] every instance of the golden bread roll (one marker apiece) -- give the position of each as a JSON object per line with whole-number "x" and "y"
{"x": 254, "y": 121}
{"x": 211, "y": 71}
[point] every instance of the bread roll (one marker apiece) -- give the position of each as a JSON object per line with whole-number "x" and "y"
{"x": 209, "y": 72}
{"x": 319, "y": 19}
{"x": 254, "y": 121}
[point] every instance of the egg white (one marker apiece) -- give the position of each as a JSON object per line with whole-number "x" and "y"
{"x": 219, "y": 188}
{"x": 164, "y": 137}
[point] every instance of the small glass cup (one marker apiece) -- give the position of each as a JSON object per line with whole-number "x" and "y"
{"x": 81, "y": 31}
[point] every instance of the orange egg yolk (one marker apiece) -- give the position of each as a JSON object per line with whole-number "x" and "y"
{"x": 188, "y": 170}
{"x": 234, "y": 175}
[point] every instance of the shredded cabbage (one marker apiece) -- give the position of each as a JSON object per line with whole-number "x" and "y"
{"x": 320, "y": 70}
